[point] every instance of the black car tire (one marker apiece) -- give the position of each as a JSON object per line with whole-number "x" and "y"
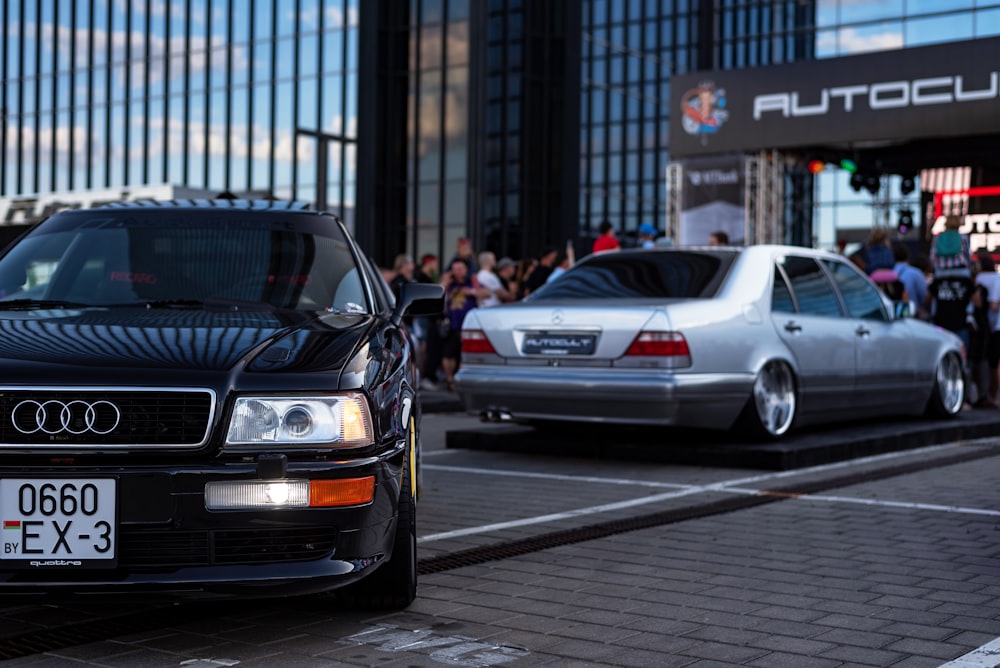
{"x": 773, "y": 388}
{"x": 393, "y": 586}
{"x": 948, "y": 393}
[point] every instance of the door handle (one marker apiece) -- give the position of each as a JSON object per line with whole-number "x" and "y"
{"x": 862, "y": 331}
{"x": 792, "y": 326}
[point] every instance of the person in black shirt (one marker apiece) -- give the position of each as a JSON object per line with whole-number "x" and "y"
{"x": 428, "y": 270}
{"x": 426, "y": 329}
{"x": 951, "y": 296}
{"x": 540, "y": 274}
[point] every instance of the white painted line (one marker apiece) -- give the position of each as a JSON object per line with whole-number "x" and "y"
{"x": 909, "y": 505}
{"x": 557, "y": 476}
{"x": 728, "y": 486}
{"x": 774, "y": 475}
{"x": 438, "y": 453}
{"x": 541, "y": 519}
{"x": 872, "y": 459}
{"x": 987, "y": 656}
{"x": 902, "y": 504}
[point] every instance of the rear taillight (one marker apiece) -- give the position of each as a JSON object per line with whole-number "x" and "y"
{"x": 474, "y": 342}
{"x": 659, "y": 344}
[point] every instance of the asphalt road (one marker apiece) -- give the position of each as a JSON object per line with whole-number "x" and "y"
{"x": 591, "y": 548}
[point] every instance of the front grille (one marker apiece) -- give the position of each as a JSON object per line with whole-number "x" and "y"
{"x": 145, "y": 548}
{"x": 271, "y": 545}
{"x": 159, "y": 548}
{"x": 65, "y": 417}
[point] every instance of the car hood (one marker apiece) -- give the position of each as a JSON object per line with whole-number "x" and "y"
{"x": 48, "y": 346}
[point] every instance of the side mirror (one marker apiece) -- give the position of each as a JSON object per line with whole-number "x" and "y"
{"x": 419, "y": 299}
{"x": 903, "y": 310}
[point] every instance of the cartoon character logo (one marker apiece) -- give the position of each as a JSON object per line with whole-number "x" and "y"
{"x": 704, "y": 110}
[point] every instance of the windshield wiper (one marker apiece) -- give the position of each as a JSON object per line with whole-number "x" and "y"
{"x": 226, "y": 304}
{"x": 210, "y": 304}
{"x": 172, "y": 303}
{"x": 39, "y": 304}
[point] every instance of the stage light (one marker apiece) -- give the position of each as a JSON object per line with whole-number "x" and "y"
{"x": 907, "y": 185}
{"x": 872, "y": 183}
{"x": 849, "y": 166}
{"x": 817, "y": 166}
{"x": 905, "y": 222}
{"x": 857, "y": 182}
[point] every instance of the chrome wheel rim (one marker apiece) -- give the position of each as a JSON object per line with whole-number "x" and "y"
{"x": 774, "y": 398}
{"x": 951, "y": 384}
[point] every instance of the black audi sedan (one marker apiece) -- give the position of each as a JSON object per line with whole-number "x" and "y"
{"x": 211, "y": 398}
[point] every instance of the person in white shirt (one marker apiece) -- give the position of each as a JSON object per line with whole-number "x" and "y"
{"x": 488, "y": 279}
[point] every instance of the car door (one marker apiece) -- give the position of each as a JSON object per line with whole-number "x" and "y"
{"x": 808, "y": 316}
{"x": 884, "y": 350}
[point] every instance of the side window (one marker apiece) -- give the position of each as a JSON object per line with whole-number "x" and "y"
{"x": 781, "y": 294}
{"x": 863, "y": 299}
{"x": 380, "y": 289}
{"x": 350, "y": 296}
{"x": 812, "y": 289}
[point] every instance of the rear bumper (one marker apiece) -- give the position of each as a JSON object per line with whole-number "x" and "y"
{"x": 640, "y": 397}
{"x": 168, "y": 543}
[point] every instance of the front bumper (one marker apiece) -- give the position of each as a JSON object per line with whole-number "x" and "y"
{"x": 613, "y": 396}
{"x": 168, "y": 543}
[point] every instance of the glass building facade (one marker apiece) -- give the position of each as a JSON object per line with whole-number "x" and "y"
{"x": 437, "y": 122}
{"x": 517, "y": 123}
{"x": 630, "y": 50}
{"x": 212, "y": 94}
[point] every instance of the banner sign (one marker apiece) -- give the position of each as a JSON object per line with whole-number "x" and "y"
{"x": 944, "y": 90}
{"x": 712, "y": 199}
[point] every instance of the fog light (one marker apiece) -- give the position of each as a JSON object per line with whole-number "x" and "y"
{"x": 257, "y": 494}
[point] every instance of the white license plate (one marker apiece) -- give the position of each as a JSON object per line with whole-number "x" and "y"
{"x": 53, "y": 523}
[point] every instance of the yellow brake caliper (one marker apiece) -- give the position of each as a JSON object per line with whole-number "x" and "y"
{"x": 412, "y": 458}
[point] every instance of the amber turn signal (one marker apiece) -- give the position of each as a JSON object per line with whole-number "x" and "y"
{"x": 341, "y": 492}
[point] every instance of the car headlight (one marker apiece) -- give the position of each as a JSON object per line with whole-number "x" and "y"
{"x": 334, "y": 421}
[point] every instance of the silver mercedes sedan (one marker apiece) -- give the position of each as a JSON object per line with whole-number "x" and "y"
{"x": 758, "y": 338}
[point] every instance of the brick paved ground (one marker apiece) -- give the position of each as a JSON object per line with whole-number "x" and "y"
{"x": 901, "y": 572}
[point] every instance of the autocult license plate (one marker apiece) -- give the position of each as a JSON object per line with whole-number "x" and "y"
{"x": 58, "y": 523}
{"x": 551, "y": 343}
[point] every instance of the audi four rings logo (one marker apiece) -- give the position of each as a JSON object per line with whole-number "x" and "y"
{"x": 74, "y": 417}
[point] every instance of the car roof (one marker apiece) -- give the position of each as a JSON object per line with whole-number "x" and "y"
{"x": 769, "y": 249}
{"x": 214, "y": 204}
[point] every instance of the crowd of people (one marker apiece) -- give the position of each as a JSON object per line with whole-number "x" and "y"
{"x": 950, "y": 287}
{"x": 474, "y": 280}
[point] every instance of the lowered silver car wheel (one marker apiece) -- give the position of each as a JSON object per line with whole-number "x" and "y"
{"x": 949, "y": 388}
{"x": 773, "y": 402}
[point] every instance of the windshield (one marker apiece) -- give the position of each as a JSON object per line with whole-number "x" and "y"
{"x": 641, "y": 274}
{"x": 176, "y": 258}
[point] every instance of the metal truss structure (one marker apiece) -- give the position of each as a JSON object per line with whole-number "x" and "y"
{"x": 764, "y": 188}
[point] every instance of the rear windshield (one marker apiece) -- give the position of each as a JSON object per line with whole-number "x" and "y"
{"x": 150, "y": 256}
{"x": 646, "y": 274}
